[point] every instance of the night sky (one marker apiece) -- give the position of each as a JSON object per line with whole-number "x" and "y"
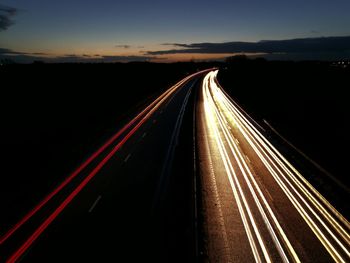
{"x": 73, "y": 28}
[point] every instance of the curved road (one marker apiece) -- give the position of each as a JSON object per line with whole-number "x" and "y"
{"x": 255, "y": 200}
{"x": 120, "y": 201}
{"x": 139, "y": 196}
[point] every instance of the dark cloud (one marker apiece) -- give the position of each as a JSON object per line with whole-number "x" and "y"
{"x": 39, "y": 54}
{"x": 22, "y": 57}
{"x": 128, "y": 46}
{"x": 306, "y": 45}
{"x": 126, "y": 58}
{"x": 97, "y": 59}
{"x": 5, "y": 51}
{"x": 70, "y": 55}
{"x": 6, "y": 17}
{"x": 314, "y": 32}
{"x": 123, "y": 46}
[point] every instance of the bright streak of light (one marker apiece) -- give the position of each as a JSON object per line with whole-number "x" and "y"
{"x": 241, "y": 162}
{"x": 208, "y": 111}
{"x": 222, "y": 114}
{"x": 306, "y": 216}
{"x": 282, "y": 161}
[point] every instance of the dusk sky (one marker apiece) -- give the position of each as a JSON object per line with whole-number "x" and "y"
{"x": 131, "y": 28}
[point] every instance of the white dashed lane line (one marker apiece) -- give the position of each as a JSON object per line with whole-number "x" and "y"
{"x": 127, "y": 157}
{"x": 95, "y": 203}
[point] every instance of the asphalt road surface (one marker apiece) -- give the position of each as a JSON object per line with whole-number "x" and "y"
{"x": 191, "y": 178}
{"x": 125, "y": 202}
{"x": 257, "y": 207}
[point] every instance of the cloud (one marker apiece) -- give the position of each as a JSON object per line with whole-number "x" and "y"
{"x": 71, "y": 56}
{"x": 5, "y": 51}
{"x": 123, "y": 46}
{"x": 126, "y": 58}
{"x": 306, "y": 45}
{"x": 169, "y": 44}
{"x": 23, "y": 57}
{"x": 39, "y": 54}
{"x": 6, "y": 15}
{"x": 128, "y": 46}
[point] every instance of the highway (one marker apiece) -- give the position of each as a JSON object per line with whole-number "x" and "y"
{"x": 257, "y": 206}
{"x": 190, "y": 178}
{"x": 118, "y": 203}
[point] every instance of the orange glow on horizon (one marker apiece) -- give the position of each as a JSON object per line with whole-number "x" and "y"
{"x": 139, "y": 52}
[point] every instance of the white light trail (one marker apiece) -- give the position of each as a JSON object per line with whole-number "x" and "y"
{"x": 329, "y": 226}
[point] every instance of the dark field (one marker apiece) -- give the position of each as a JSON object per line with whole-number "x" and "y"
{"x": 54, "y": 116}
{"x": 307, "y": 103}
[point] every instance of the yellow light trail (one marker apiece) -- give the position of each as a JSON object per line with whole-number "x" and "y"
{"x": 337, "y": 226}
{"x": 229, "y": 171}
{"x": 240, "y": 160}
{"x": 330, "y": 227}
{"x": 275, "y": 152}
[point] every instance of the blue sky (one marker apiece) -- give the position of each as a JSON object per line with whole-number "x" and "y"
{"x": 98, "y": 27}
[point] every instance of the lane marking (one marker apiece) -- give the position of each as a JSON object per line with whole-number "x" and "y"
{"x": 29, "y": 241}
{"x": 91, "y": 158}
{"x": 95, "y": 203}
{"x": 127, "y": 158}
{"x": 163, "y": 181}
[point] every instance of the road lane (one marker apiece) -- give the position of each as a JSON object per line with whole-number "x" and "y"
{"x": 130, "y": 199}
{"x": 107, "y": 164}
{"x": 86, "y": 163}
{"x": 284, "y": 218}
